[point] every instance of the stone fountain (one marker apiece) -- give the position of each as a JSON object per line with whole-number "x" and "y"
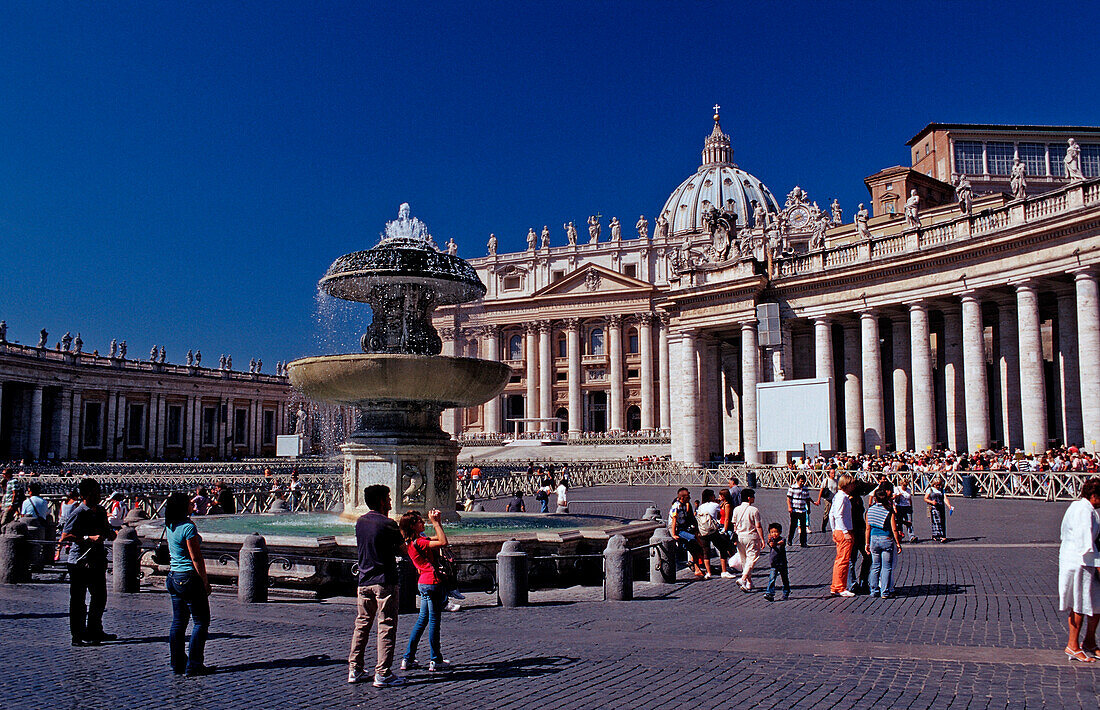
{"x": 400, "y": 384}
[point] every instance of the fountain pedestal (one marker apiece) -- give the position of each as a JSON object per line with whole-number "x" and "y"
{"x": 400, "y": 445}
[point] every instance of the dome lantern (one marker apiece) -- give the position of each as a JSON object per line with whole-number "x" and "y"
{"x": 718, "y": 183}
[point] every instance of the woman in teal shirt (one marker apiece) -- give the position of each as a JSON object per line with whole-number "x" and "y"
{"x": 188, "y": 587}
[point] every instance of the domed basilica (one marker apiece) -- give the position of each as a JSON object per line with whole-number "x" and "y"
{"x": 960, "y": 310}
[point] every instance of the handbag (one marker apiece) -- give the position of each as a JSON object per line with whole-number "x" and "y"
{"x": 161, "y": 555}
{"x": 443, "y": 563}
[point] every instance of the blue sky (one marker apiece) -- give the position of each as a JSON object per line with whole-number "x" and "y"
{"x": 183, "y": 173}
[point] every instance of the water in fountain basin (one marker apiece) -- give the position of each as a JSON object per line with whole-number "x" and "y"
{"x": 322, "y": 524}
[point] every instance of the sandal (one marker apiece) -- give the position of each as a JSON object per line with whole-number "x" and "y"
{"x": 1094, "y": 652}
{"x": 1079, "y": 656}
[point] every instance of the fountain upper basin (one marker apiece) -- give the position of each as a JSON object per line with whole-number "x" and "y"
{"x": 361, "y": 378}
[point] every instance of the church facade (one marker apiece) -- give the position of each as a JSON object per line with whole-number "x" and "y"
{"x": 957, "y": 316}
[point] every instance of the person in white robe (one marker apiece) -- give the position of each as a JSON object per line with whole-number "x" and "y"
{"x": 1079, "y": 572}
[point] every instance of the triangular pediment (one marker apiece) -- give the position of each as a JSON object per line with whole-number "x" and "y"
{"x": 592, "y": 279}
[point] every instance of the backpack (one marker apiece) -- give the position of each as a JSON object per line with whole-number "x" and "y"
{"x": 706, "y": 524}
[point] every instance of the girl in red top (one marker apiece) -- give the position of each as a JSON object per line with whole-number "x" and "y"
{"x": 422, "y": 552}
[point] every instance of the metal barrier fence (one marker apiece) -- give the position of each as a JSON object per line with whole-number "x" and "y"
{"x": 322, "y": 481}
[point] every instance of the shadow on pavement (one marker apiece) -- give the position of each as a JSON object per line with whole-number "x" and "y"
{"x": 515, "y": 668}
{"x": 314, "y": 661}
{"x": 35, "y": 615}
{"x": 931, "y": 590}
{"x": 163, "y": 638}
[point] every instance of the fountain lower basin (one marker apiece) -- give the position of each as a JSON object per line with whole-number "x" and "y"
{"x": 316, "y": 552}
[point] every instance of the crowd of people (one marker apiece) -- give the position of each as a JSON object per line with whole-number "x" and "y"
{"x": 869, "y": 521}
{"x": 1057, "y": 459}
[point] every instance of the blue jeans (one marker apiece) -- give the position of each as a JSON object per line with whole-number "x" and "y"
{"x": 882, "y": 564}
{"x": 431, "y": 604}
{"x": 189, "y": 601}
{"x": 780, "y": 572}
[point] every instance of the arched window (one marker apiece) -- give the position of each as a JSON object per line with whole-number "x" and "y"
{"x": 632, "y": 341}
{"x": 595, "y": 342}
{"x": 563, "y": 350}
{"x": 562, "y": 425}
{"x": 515, "y": 347}
{"x": 633, "y": 418}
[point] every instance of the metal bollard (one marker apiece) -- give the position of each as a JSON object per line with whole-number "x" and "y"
{"x": 618, "y": 582}
{"x": 512, "y": 574}
{"x": 252, "y": 570}
{"x": 36, "y": 535}
{"x": 125, "y": 551}
{"x": 662, "y": 557}
{"x": 652, "y": 513}
{"x": 15, "y": 562}
{"x": 407, "y": 590}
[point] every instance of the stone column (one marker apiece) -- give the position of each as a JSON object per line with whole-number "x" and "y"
{"x": 573, "y": 346}
{"x": 874, "y": 414}
{"x": 645, "y": 350}
{"x": 750, "y": 376}
{"x": 1033, "y": 393}
{"x": 1069, "y": 371}
{"x": 689, "y": 402}
{"x": 491, "y": 351}
{"x": 1008, "y": 344}
{"x": 110, "y": 414}
{"x": 73, "y": 424}
{"x": 853, "y": 390}
{"x": 449, "y": 420}
{"x": 1088, "y": 351}
{"x": 976, "y": 387}
{"x": 546, "y": 377}
{"x": 663, "y": 375}
{"x": 64, "y": 422}
{"x": 924, "y": 402}
{"x": 531, "y": 357}
{"x": 954, "y": 403}
{"x": 615, "y": 398}
{"x": 903, "y": 423}
{"x": 823, "y": 348}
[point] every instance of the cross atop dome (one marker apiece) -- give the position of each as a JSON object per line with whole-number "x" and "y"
{"x": 716, "y": 149}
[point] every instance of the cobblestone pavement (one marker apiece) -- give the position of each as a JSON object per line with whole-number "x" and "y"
{"x": 975, "y": 626}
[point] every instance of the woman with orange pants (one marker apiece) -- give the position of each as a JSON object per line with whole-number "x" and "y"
{"x": 840, "y": 517}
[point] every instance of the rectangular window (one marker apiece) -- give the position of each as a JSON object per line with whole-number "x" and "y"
{"x": 556, "y": 276}
{"x": 135, "y": 425}
{"x": 1090, "y": 160}
{"x": 174, "y": 425}
{"x": 632, "y": 342}
{"x": 631, "y": 270}
{"x": 999, "y": 156}
{"x": 511, "y": 283}
{"x": 631, "y": 374}
{"x": 563, "y": 347}
{"x": 269, "y": 428}
{"x": 1034, "y": 156}
{"x": 93, "y": 425}
{"x": 968, "y": 157}
{"x": 561, "y": 376}
{"x": 1057, "y": 155}
{"x": 240, "y": 427}
{"x": 209, "y": 426}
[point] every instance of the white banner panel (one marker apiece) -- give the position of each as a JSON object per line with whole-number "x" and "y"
{"x": 288, "y": 445}
{"x": 793, "y": 413}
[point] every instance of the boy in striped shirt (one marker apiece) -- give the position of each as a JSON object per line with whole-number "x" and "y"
{"x": 798, "y": 505}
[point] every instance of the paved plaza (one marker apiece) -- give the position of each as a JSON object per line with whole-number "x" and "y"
{"x": 975, "y": 625}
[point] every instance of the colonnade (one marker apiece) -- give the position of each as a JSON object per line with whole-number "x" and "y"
{"x": 973, "y": 379}
{"x": 545, "y": 392}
